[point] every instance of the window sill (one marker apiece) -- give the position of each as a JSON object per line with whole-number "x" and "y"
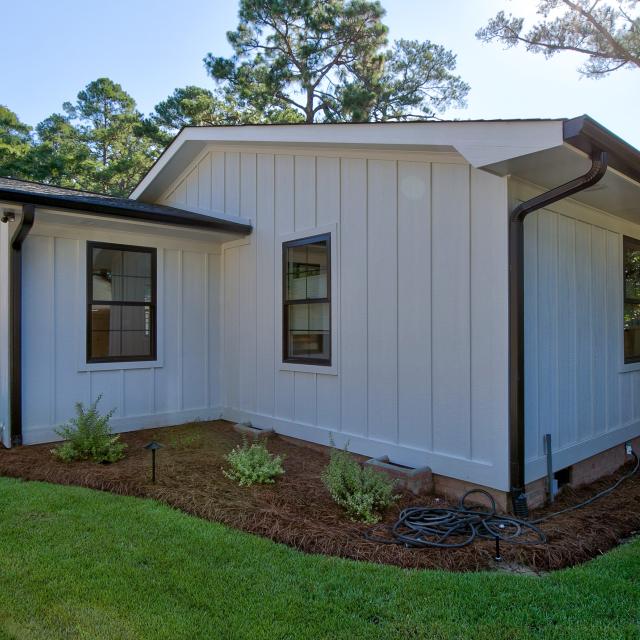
{"x": 631, "y": 366}
{"x": 117, "y": 366}
{"x": 309, "y": 368}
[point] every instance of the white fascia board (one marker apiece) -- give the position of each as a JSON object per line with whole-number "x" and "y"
{"x": 480, "y": 143}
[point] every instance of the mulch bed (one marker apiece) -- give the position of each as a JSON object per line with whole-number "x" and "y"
{"x": 297, "y": 510}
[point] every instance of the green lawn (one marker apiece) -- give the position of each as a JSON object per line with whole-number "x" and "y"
{"x": 76, "y": 563}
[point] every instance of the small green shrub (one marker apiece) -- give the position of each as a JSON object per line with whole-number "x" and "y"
{"x": 253, "y": 464}
{"x": 186, "y": 441}
{"x": 361, "y": 491}
{"x": 88, "y": 436}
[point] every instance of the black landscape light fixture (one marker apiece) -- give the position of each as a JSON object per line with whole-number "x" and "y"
{"x": 153, "y": 446}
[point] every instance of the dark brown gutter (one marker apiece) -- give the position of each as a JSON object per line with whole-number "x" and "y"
{"x": 516, "y": 317}
{"x": 134, "y": 211}
{"x": 589, "y": 136}
{"x": 15, "y": 315}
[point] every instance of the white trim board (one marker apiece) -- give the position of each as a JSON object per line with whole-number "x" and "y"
{"x": 476, "y": 471}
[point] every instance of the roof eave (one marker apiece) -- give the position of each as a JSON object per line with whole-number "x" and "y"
{"x": 189, "y": 220}
{"x": 589, "y": 136}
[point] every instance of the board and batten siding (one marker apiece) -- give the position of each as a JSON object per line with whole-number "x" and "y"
{"x": 421, "y": 292}
{"x": 182, "y": 385}
{"x": 577, "y": 387}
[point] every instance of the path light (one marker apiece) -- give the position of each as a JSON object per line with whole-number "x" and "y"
{"x": 153, "y": 446}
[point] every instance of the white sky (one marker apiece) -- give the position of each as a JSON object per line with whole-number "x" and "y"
{"x": 54, "y": 48}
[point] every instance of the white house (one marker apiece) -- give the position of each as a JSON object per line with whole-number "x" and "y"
{"x": 367, "y": 281}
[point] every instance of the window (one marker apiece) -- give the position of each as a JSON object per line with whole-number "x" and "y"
{"x": 307, "y": 300}
{"x": 631, "y": 263}
{"x": 121, "y": 303}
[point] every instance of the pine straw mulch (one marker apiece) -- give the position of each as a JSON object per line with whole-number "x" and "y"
{"x": 297, "y": 510}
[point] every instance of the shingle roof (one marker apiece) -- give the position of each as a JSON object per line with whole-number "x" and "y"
{"x": 47, "y": 195}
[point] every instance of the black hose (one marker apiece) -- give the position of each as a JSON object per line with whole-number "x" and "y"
{"x": 455, "y": 527}
{"x": 602, "y": 493}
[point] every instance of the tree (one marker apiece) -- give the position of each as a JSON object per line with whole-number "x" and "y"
{"x": 60, "y": 155}
{"x": 415, "y": 82}
{"x": 15, "y": 144}
{"x": 194, "y": 106}
{"x": 326, "y": 60}
{"x": 121, "y": 142}
{"x": 608, "y": 33}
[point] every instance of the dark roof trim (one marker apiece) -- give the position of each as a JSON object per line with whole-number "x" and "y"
{"x": 589, "y": 136}
{"x": 118, "y": 208}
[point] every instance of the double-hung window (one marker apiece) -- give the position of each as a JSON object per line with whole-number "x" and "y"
{"x": 631, "y": 263}
{"x": 121, "y": 303}
{"x": 307, "y": 300}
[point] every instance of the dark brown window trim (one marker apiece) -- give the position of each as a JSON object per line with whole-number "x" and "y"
{"x": 627, "y": 244}
{"x": 152, "y": 304}
{"x": 323, "y": 362}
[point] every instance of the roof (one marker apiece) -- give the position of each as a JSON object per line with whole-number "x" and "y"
{"x": 45, "y": 195}
{"x": 482, "y": 143}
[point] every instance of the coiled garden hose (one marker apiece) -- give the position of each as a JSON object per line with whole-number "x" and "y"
{"x": 455, "y": 527}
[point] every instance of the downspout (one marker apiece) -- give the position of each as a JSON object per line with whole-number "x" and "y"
{"x": 15, "y": 321}
{"x": 516, "y": 319}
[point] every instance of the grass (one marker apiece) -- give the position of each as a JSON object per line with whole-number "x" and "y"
{"x": 76, "y": 563}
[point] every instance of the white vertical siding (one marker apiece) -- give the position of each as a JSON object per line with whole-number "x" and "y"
{"x": 382, "y": 301}
{"x": 577, "y": 386}
{"x": 451, "y": 331}
{"x": 185, "y": 381}
{"x": 421, "y": 295}
{"x": 414, "y": 309}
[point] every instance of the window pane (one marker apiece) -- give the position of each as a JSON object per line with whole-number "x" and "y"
{"x": 309, "y": 331}
{"x": 120, "y": 331}
{"x": 632, "y": 272}
{"x": 307, "y": 271}
{"x": 121, "y": 275}
{"x": 631, "y": 331}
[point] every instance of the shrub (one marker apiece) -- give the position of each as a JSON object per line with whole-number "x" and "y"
{"x": 88, "y": 436}
{"x": 363, "y": 492}
{"x": 253, "y": 464}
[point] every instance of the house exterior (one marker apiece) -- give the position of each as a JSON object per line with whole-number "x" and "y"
{"x": 417, "y": 290}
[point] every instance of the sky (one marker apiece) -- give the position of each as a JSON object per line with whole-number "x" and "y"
{"x": 54, "y": 48}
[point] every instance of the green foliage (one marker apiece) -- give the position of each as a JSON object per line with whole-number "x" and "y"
{"x": 185, "y": 441}
{"x": 15, "y": 144}
{"x": 605, "y": 32}
{"x": 88, "y": 436}
{"x": 363, "y": 492}
{"x": 121, "y": 143}
{"x": 415, "y": 82}
{"x": 101, "y": 143}
{"x": 61, "y": 156}
{"x": 253, "y": 464}
{"x": 326, "y": 60}
{"x": 194, "y": 106}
